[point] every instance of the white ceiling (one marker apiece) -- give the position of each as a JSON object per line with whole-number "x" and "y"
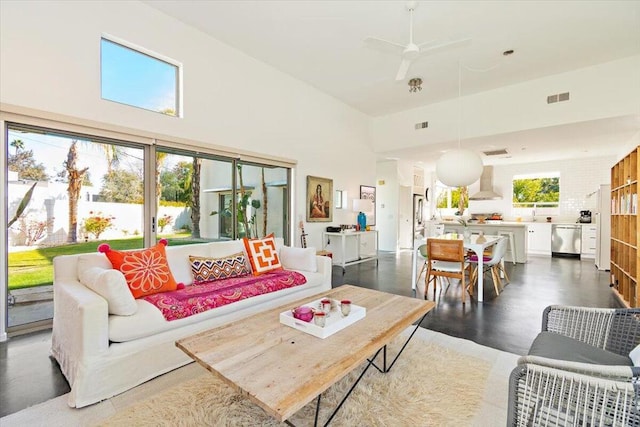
{"x": 321, "y": 42}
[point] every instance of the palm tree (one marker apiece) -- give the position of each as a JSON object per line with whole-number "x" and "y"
{"x": 244, "y": 198}
{"x": 76, "y": 177}
{"x": 264, "y": 205}
{"x": 195, "y": 197}
{"x": 112, "y": 154}
{"x": 160, "y": 158}
{"x": 17, "y": 144}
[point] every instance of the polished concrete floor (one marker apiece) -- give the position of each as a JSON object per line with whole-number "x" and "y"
{"x": 508, "y": 322}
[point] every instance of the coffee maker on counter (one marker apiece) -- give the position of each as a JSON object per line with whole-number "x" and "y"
{"x": 585, "y": 217}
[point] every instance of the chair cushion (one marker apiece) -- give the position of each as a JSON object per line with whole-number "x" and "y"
{"x": 450, "y": 267}
{"x": 556, "y": 346}
{"x": 474, "y": 258}
{"x": 634, "y": 355}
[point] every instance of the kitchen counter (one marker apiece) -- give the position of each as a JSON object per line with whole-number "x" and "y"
{"x": 513, "y": 223}
{"x": 519, "y": 230}
{"x": 530, "y": 237}
{"x": 487, "y": 224}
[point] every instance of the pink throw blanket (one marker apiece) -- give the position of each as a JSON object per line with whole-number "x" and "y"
{"x": 201, "y": 297}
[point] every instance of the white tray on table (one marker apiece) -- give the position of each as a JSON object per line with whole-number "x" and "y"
{"x": 335, "y": 321}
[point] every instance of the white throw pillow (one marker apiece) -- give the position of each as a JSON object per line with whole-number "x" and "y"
{"x": 111, "y": 285}
{"x": 635, "y": 356}
{"x": 303, "y": 259}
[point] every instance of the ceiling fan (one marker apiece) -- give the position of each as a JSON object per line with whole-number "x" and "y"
{"x": 412, "y": 51}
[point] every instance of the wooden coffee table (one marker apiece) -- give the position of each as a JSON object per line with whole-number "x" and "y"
{"x": 282, "y": 369}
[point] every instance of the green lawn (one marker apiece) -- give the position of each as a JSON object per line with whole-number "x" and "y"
{"x": 35, "y": 268}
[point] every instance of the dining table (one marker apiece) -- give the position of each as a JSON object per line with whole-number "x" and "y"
{"x": 477, "y": 243}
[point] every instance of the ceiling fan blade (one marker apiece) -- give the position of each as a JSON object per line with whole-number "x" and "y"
{"x": 429, "y": 48}
{"x": 384, "y": 45}
{"x": 402, "y": 71}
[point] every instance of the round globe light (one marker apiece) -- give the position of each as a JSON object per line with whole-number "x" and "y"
{"x": 459, "y": 168}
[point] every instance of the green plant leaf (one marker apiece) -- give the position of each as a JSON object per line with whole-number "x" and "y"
{"x": 23, "y": 205}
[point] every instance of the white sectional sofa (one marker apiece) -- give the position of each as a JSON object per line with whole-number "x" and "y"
{"x": 103, "y": 354}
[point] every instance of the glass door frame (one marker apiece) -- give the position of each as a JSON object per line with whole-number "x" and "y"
{"x": 75, "y": 126}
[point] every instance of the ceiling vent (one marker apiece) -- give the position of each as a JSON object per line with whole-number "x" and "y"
{"x": 559, "y": 97}
{"x": 500, "y": 152}
{"x": 422, "y": 125}
{"x": 486, "y": 186}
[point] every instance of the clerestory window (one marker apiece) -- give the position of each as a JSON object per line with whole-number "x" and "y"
{"x": 140, "y": 79}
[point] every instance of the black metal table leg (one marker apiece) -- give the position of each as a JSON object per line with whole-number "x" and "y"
{"x": 371, "y": 361}
{"x": 384, "y": 369}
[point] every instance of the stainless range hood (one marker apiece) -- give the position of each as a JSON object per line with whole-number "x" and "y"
{"x": 486, "y": 186}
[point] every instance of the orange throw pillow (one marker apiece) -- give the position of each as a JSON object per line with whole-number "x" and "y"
{"x": 262, "y": 254}
{"x": 146, "y": 271}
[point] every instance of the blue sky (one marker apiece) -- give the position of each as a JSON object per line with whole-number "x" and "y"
{"x": 134, "y": 78}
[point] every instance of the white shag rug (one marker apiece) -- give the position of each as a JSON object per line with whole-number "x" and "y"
{"x": 437, "y": 381}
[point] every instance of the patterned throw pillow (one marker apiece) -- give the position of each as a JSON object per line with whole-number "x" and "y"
{"x": 262, "y": 254}
{"x": 146, "y": 271}
{"x": 208, "y": 269}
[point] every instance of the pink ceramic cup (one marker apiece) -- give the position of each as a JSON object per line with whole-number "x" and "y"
{"x": 303, "y": 313}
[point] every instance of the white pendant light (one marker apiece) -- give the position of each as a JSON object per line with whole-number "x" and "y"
{"x": 459, "y": 167}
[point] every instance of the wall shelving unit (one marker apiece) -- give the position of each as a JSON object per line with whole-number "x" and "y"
{"x": 625, "y": 224}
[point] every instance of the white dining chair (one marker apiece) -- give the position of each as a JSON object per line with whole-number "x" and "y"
{"x": 493, "y": 264}
{"x": 422, "y": 255}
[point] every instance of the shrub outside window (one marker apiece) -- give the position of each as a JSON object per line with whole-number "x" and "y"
{"x": 540, "y": 192}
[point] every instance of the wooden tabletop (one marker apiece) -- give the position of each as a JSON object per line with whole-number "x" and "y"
{"x": 282, "y": 369}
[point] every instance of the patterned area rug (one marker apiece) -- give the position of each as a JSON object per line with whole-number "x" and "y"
{"x": 430, "y": 385}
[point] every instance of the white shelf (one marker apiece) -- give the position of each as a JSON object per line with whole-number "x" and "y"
{"x": 353, "y": 248}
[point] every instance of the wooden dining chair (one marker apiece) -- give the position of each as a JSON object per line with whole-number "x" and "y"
{"x": 446, "y": 258}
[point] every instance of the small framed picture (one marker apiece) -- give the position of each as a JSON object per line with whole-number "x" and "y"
{"x": 319, "y": 199}
{"x": 369, "y": 193}
{"x": 338, "y": 199}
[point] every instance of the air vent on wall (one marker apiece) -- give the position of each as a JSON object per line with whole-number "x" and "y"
{"x": 422, "y": 125}
{"x": 559, "y": 97}
{"x": 499, "y": 152}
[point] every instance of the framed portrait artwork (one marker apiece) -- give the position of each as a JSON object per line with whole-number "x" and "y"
{"x": 319, "y": 199}
{"x": 369, "y": 193}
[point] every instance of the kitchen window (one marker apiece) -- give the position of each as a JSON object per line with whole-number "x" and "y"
{"x": 447, "y": 199}
{"x": 536, "y": 193}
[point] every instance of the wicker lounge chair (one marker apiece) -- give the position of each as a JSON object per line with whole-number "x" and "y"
{"x": 578, "y": 371}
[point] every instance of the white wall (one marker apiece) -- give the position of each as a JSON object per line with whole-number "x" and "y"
{"x": 606, "y": 90}
{"x": 627, "y": 148}
{"x": 387, "y": 205}
{"x": 51, "y": 61}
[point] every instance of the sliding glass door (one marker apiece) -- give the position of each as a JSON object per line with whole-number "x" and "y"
{"x": 69, "y": 192}
{"x": 66, "y": 193}
{"x": 201, "y": 195}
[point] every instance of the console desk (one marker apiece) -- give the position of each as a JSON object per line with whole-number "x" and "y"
{"x": 352, "y": 247}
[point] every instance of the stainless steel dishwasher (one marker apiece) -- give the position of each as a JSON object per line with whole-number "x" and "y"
{"x": 566, "y": 240}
